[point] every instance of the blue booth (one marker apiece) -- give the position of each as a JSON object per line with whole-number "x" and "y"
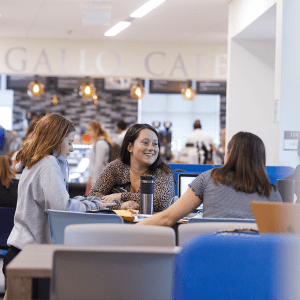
{"x": 273, "y": 172}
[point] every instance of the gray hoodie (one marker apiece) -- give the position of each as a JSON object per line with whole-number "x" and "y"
{"x": 40, "y": 188}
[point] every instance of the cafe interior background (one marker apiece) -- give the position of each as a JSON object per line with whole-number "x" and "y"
{"x": 67, "y": 47}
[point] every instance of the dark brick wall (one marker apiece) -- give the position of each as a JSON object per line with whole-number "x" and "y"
{"x": 111, "y": 108}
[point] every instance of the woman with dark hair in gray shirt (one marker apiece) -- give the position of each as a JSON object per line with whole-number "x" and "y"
{"x": 226, "y": 192}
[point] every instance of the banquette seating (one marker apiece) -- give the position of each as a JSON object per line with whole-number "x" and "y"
{"x": 58, "y": 220}
{"x": 119, "y": 235}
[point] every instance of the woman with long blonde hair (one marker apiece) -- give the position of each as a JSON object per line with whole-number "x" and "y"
{"x": 100, "y": 152}
{"x": 43, "y": 183}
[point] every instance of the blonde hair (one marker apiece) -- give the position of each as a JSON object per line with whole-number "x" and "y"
{"x": 100, "y": 131}
{"x": 6, "y": 173}
{"x": 47, "y": 136}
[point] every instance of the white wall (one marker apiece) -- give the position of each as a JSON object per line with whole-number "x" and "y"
{"x": 289, "y": 77}
{"x": 6, "y": 108}
{"x": 251, "y": 74}
{"x": 250, "y": 100}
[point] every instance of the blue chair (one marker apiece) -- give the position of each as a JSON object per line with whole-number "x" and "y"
{"x": 238, "y": 267}
{"x": 190, "y": 168}
{"x": 279, "y": 172}
{"x": 59, "y": 220}
{"x": 7, "y": 215}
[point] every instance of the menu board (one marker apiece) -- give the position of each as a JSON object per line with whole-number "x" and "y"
{"x": 99, "y": 84}
{"x": 291, "y": 139}
{"x": 18, "y": 82}
{"x": 68, "y": 83}
{"x": 211, "y": 87}
{"x": 167, "y": 86}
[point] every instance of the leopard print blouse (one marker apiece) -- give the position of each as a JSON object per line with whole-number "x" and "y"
{"x": 117, "y": 173}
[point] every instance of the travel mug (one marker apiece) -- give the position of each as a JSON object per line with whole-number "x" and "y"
{"x": 286, "y": 189}
{"x": 147, "y": 193}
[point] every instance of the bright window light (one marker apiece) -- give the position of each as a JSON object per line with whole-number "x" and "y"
{"x": 147, "y": 7}
{"x": 117, "y": 28}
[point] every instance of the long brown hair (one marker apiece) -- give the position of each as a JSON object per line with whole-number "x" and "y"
{"x": 100, "y": 131}
{"x": 245, "y": 169}
{"x": 47, "y": 136}
{"x": 6, "y": 173}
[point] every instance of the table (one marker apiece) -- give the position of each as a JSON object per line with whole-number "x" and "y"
{"x": 35, "y": 261}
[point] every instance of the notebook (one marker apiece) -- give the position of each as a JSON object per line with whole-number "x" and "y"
{"x": 273, "y": 217}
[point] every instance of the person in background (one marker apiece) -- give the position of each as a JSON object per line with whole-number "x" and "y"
{"x": 202, "y": 141}
{"x": 100, "y": 151}
{"x": 8, "y": 185}
{"x": 121, "y": 132}
{"x": 139, "y": 156}
{"x": 296, "y": 176}
{"x": 43, "y": 184}
{"x": 226, "y": 192}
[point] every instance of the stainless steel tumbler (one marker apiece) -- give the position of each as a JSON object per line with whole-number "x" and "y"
{"x": 147, "y": 193}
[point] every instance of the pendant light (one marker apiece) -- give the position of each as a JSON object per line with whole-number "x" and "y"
{"x": 188, "y": 93}
{"x": 35, "y": 88}
{"x": 137, "y": 91}
{"x": 87, "y": 90}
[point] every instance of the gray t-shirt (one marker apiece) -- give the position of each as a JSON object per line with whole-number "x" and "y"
{"x": 224, "y": 201}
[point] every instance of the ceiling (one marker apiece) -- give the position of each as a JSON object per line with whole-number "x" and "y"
{"x": 174, "y": 20}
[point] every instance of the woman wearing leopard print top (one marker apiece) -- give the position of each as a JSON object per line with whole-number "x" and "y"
{"x": 139, "y": 156}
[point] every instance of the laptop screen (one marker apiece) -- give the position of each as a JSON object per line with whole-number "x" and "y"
{"x": 184, "y": 179}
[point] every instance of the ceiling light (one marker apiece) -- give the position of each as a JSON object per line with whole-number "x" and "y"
{"x": 147, "y": 7}
{"x": 188, "y": 93}
{"x": 137, "y": 91}
{"x": 87, "y": 90}
{"x": 35, "y": 89}
{"x": 117, "y": 28}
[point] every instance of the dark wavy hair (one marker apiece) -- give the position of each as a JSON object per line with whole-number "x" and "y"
{"x": 245, "y": 169}
{"x": 131, "y": 135}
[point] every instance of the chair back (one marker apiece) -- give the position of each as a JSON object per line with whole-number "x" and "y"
{"x": 7, "y": 215}
{"x": 58, "y": 220}
{"x": 190, "y": 230}
{"x": 238, "y": 267}
{"x": 119, "y": 235}
{"x": 115, "y": 273}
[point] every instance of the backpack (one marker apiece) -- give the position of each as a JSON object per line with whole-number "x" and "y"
{"x": 115, "y": 150}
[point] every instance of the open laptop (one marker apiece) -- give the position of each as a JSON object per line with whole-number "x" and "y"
{"x": 273, "y": 217}
{"x": 184, "y": 179}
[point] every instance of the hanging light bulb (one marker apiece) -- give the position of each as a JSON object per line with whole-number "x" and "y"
{"x": 137, "y": 91}
{"x": 35, "y": 89}
{"x": 87, "y": 90}
{"x": 55, "y": 100}
{"x": 188, "y": 93}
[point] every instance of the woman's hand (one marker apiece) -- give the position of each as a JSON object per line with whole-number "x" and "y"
{"x": 112, "y": 197}
{"x": 104, "y": 205}
{"x": 130, "y": 205}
